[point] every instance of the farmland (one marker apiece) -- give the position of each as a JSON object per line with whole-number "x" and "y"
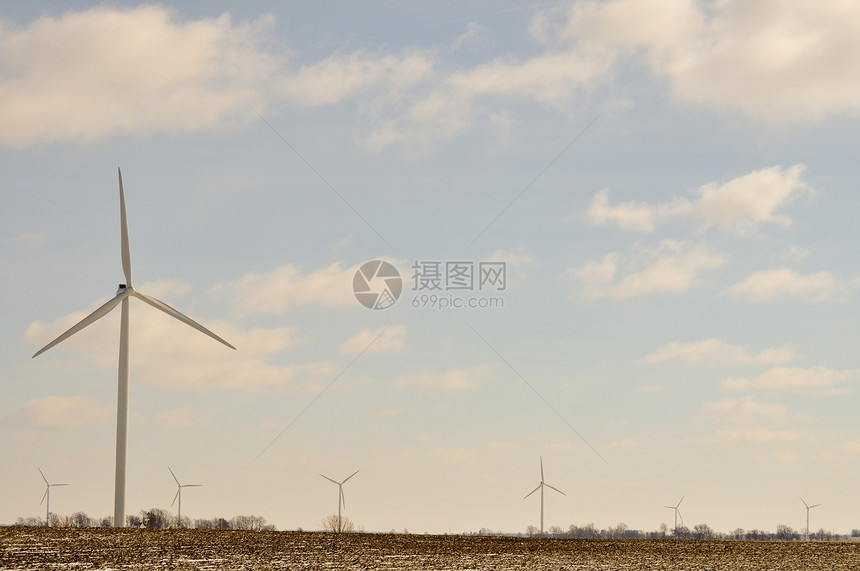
{"x": 141, "y": 549}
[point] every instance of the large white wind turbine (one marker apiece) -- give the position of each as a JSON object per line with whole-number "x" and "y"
{"x": 47, "y": 496}
{"x": 540, "y": 487}
{"x": 178, "y": 496}
{"x": 124, "y": 292}
{"x": 808, "y": 507}
{"x": 340, "y": 501}
{"x": 677, "y": 513}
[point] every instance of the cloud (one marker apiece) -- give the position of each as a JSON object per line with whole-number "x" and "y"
{"x": 60, "y": 412}
{"x": 625, "y": 444}
{"x": 745, "y": 409}
{"x": 183, "y": 417}
{"x": 452, "y": 380}
{"x": 773, "y": 61}
{"x": 391, "y": 340}
{"x": 379, "y": 77}
{"x": 651, "y": 389}
{"x": 286, "y": 287}
{"x": 106, "y": 70}
{"x": 25, "y": 239}
{"x": 671, "y": 266}
{"x": 815, "y": 380}
{"x": 715, "y": 352}
{"x": 747, "y": 420}
{"x": 769, "y": 285}
{"x": 169, "y": 355}
{"x": 738, "y": 206}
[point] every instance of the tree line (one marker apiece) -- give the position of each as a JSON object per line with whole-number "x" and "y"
{"x": 699, "y": 531}
{"x": 154, "y": 518}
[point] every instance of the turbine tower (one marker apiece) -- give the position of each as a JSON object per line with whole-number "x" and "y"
{"x": 47, "y": 496}
{"x": 123, "y": 293}
{"x": 178, "y": 496}
{"x": 677, "y": 513}
{"x": 808, "y": 507}
{"x": 540, "y": 487}
{"x": 340, "y": 500}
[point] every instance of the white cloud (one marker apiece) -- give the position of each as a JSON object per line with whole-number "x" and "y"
{"x": 372, "y": 75}
{"x": 183, "y": 417}
{"x": 25, "y": 239}
{"x": 767, "y": 285}
{"x": 472, "y": 36}
{"x": 106, "y": 70}
{"x": 387, "y": 339}
{"x": 515, "y": 257}
{"x": 815, "y": 380}
{"x": 168, "y": 354}
{"x": 671, "y": 266}
{"x": 286, "y": 287}
{"x": 624, "y": 444}
{"x": 745, "y": 409}
{"x": 772, "y": 60}
{"x": 747, "y": 420}
{"x": 738, "y": 206}
{"x": 61, "y": 412}
{"x": 452, "y": 380}
{"x": 715, "y": 352}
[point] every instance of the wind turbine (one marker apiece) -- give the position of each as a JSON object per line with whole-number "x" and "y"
{"x": 340, "y": 500}
{"x": 123, "y": 293}
{"x": 808, "y": 507}
{"x": 540, "y": 487}
{"x": 178, "y": 495}
{"x": 47, "y": 496}
{"x": 677, "y": 513}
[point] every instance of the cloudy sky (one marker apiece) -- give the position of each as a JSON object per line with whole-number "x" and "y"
{"x": 670, "y": 185}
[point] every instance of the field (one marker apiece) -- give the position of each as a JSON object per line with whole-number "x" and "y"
{"x": 139, "y": 549}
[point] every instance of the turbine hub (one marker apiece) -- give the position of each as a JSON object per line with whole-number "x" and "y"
{"x": 121, "y": 288}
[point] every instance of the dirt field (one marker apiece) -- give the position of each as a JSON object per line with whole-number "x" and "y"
{"x": 100, "y": 548}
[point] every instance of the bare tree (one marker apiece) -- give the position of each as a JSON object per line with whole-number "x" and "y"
{"x": 330, "y": 523}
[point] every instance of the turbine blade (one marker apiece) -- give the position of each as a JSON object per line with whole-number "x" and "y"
{"x": 89, "y": 319}
{"x": 533, "y": 491}
{"x": 556, "y": 489}
{"x": 679, "y": 502}
{"x": 176, "y": 496}
{"x": 541, "y": 469}
{"x": 59, "y": 484}
{"x": 45, "y": 495}
{"x": 342, "y": 499}
{"x": 183, "y": 318}
{"x": 815, "y": 506}
{"x": 680, "y": 517}
{"x": 123, "y": 222}
{"x": 43, "y": 475}
{"x": 174, "y": 477}
{"x": 351, "y": 475}
{"x": 804, "y": 503}
{"x": 192, "y": 485}
{"x": 330, "y": 480}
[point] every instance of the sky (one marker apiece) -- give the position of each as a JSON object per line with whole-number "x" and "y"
{"x": 667, "y": 191}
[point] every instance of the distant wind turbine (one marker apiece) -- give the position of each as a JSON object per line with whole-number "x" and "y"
{"x": 47, "y": 496}
{"x": 808, "y": 507}
{"x": 124, "y": 292}
{"x": 540, "y": 487}
{"x": 677, "y": 513}
{"x": 340, "y": 501}
{"x": 178, "y": 496}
